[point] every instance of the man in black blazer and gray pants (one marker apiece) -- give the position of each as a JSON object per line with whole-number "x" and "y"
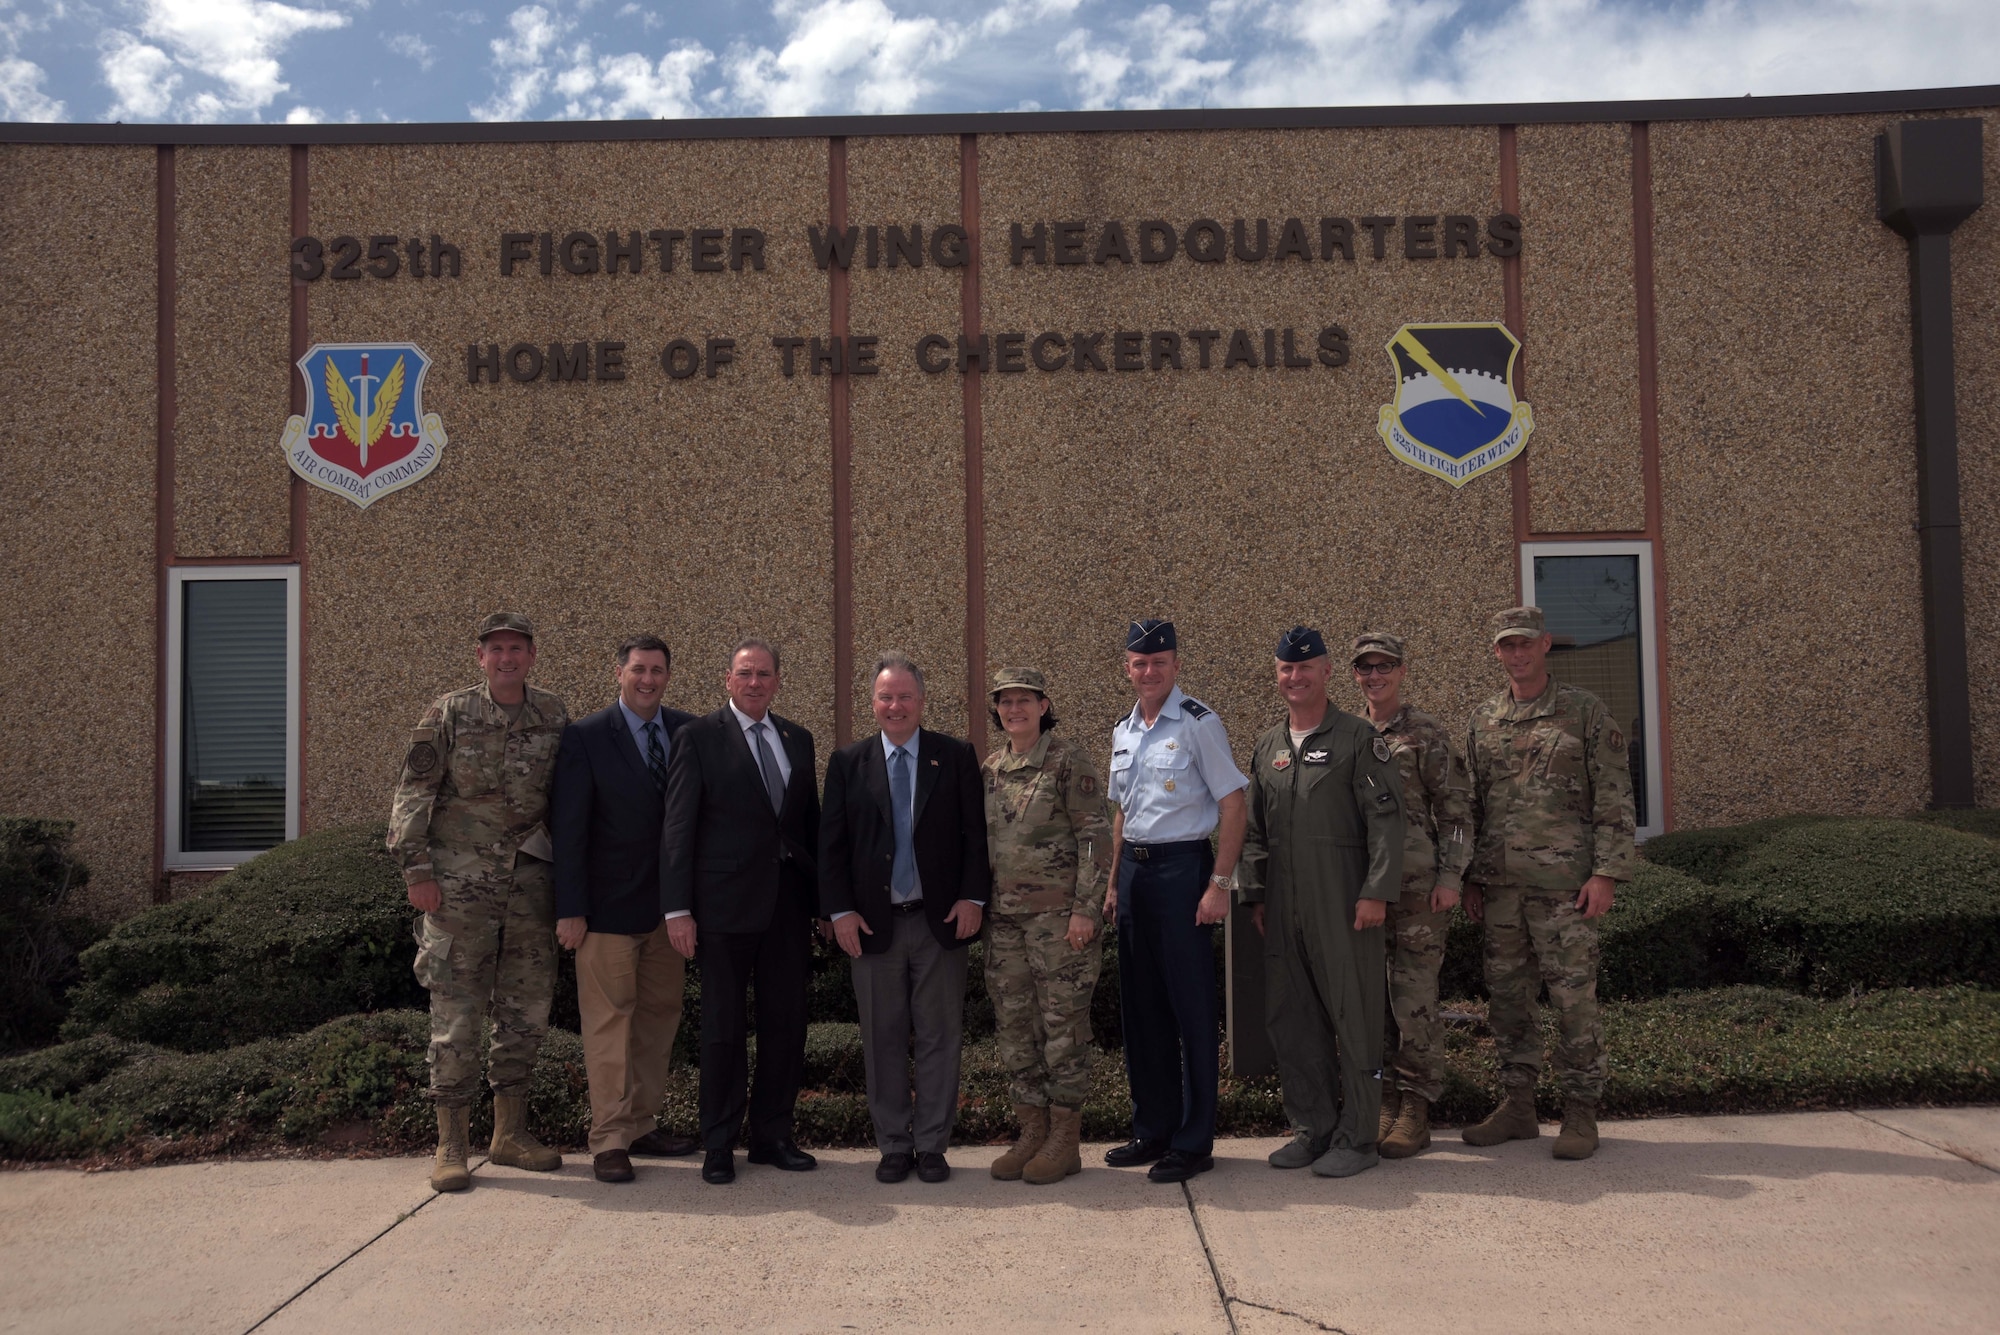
{"x": 736, "y": 884}
{"x": 904, "y": 878}
{"x": 605, "y": 811}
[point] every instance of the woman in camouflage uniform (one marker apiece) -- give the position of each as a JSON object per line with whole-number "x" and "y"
{"x": 1437, "y": 804}
{"x": 1050, "y": 843}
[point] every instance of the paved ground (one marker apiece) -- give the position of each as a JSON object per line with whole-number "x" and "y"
{"x": 1813, "y": 1222}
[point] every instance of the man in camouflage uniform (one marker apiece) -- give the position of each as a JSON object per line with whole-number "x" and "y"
{"x": 1050, "y": 842}
{"x": 468, "y": 830}
{"x": 1552, "y": 794}
{"x": 1437, "y": 844}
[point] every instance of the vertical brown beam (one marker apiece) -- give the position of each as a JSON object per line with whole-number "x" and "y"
{"x": 1649, "y": 443}
{"x": 301, "y": 213}
{"x": 838, "y": 387}
{"x": 163, "y": 492}
{"x": 975, "y": 453}
{"x": 1510, "y": 286}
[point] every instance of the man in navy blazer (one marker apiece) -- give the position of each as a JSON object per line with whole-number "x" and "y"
{"x": 736, "y": 885}
{"x": 605, "y": 812}
{"x": 904, "y": 879}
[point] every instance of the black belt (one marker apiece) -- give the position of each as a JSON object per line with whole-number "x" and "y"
{"x": 914, "y": 906}
{"x": 1141, "y": 852}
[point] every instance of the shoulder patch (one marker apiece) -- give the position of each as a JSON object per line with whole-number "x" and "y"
{"x": 1087, "y": 784}
{"x": 423, "y": 757}
{"x": 1380, "y": 745}
{"x": 1195, "y": 707}
{"x": 1616, "y": 739}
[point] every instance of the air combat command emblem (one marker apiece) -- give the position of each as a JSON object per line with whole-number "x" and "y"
{"x": 365, "y": 432}
{"x": 1455, "y": 413}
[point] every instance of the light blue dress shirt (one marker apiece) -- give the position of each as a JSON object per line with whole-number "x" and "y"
{"x": 1170, "y": 779}
{"x": 638, "y": 727}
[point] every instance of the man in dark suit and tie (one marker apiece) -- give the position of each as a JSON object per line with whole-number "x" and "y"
{"x": 605, "y": 811}
{"x": 904, "y": 878}
{"x": 736, "y": 867}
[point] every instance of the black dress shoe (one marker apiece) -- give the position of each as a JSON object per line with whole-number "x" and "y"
{"x": 1133, "y": 1154}
{"x": 784, "y": 1155}
{"x": 931, "y": 1167}
{"x": 895, "y": 1166}
{"x": 612, "y": 1166}
{"x": 660, "y": 1145}
{"x": 719, "y": 1166}
{"x": 1179, "y": 1166}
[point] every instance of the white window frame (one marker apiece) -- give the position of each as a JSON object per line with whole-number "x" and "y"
{"x": 1649, "y": 661}
{"x": 178, "y": 577}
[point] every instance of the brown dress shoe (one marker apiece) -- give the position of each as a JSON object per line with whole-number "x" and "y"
{"x": 612, "y": 1166}
{"x": 659, "y": 1145}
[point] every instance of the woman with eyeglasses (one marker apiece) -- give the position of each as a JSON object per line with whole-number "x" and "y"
{"x": 1437, "y": 804}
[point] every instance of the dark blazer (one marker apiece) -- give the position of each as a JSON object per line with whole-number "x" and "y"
{"x": 723, "y": 855}
{"x": 857, "y": 836}
{"x": 604, "y": 816}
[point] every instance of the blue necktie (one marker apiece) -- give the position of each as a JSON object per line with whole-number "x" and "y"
{"x": 903, "y": 875}
{"x": 656, "y": 756}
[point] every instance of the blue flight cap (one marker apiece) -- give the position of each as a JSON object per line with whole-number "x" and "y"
{"x": 1151, "y": 636}
{"x": 1299, "y": 644}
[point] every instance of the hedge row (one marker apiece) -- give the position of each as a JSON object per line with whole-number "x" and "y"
{"x": 358, "y": 1082}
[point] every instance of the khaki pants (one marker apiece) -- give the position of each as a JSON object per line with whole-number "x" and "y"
{"x": 629, "y": 990}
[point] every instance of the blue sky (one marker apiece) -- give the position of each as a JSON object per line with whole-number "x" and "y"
{"x": 453, "y": 60}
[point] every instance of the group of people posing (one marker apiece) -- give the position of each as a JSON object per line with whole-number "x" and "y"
{"x": 642, "y": 837}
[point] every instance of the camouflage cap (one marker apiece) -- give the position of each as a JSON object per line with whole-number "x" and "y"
{"x": 513, "y": 621}
{"x": 1378, "y": 642}
{"x": 1521, "y": 621}
{"x": 1019, "y": 678}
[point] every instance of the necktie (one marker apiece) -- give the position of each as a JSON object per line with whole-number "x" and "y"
{"x": 903, "y": 874}
{"x": 656, "y": 755}
{"x": 774, "y": 783}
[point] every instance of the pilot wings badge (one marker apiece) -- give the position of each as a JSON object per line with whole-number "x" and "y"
{"x": 365, "y": 432}
{"x": 1455, "y": 413}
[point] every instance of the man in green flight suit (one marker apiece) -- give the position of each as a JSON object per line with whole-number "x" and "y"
{"x": 1322, "y": 861}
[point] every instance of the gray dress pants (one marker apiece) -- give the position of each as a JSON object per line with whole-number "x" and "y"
{"x": 914, "y": 988}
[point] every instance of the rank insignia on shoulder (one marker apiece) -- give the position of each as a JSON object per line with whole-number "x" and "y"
{"x": 1381, "y": 748}
{"x": 1283, "y": 760}
{"x": 1195, "y": 707}
{"x": 1313, "y": 758}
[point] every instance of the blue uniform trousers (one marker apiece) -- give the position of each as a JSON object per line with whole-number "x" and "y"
{"x": 1166, "y": 988}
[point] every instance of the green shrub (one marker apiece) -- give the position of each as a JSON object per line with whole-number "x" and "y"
{"x": 1984, "y": 822}
{"x": 40, "y": 936}
{"x": 36, "y": 1126}
{"x": 1864, "y": 904}
{"x": 68, "y": 1067}
{"x": 1712, "y": 854}
{"x": 313, "y": 929}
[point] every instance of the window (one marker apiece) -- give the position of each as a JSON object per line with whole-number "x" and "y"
{"x": 1598, "y": 598}
{"x": 232, "y": 713}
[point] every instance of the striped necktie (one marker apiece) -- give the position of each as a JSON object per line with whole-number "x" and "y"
{"x": 656, "y": 755}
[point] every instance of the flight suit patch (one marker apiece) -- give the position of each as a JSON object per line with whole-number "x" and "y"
{"x": 1313, "y": 758}
{"x": 1283, "y": 760}
{"x": 1381, "y": 747}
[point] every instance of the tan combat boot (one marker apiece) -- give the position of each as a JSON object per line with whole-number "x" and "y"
{"x": 1034, "y": 1130}
{"x": 1578, "y": 1138}
{"x": 514, "y": 1146}
{"x": 449, "y": 1172}
{"x": 1514, "y": 1119}
{"x": 1412, "y": 1132}
{"x": 1060, "y": 1156}
{"x": 1392, "y": 1100}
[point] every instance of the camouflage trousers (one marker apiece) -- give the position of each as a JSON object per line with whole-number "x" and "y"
{"x": 1414, "y": 1042}
{"x": 1535, "y": 937}
{"x": 488, "y": 952}
{"x": 1041, "y": 1005}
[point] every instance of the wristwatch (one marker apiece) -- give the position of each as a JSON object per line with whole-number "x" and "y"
{"x": 1223, "y": 881}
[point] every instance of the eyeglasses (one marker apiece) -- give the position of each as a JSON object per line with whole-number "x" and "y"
{"x": 1375, "y": 669}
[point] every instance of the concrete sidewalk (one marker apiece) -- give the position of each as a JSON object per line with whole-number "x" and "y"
{"x": 1812, "y": 1222}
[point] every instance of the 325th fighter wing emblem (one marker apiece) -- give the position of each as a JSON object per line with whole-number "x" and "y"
{"x": 1455, "y": 413}
{"x": 365, "y": 432}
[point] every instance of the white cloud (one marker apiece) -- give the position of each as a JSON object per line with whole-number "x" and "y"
{"x": 1013, "y": 17}
{"x": 305, "y": 116}
{"x": 848, "y": 55}
{"x": 21, "y": 95}
{"x": 628, "y": 85}
{"x": 412, "y": 46}
{"x": 232, "y": 44}
{"x": 520, "y": 63}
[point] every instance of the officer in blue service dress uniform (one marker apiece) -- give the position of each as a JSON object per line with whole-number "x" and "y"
{"x": 1173, "y": 783}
